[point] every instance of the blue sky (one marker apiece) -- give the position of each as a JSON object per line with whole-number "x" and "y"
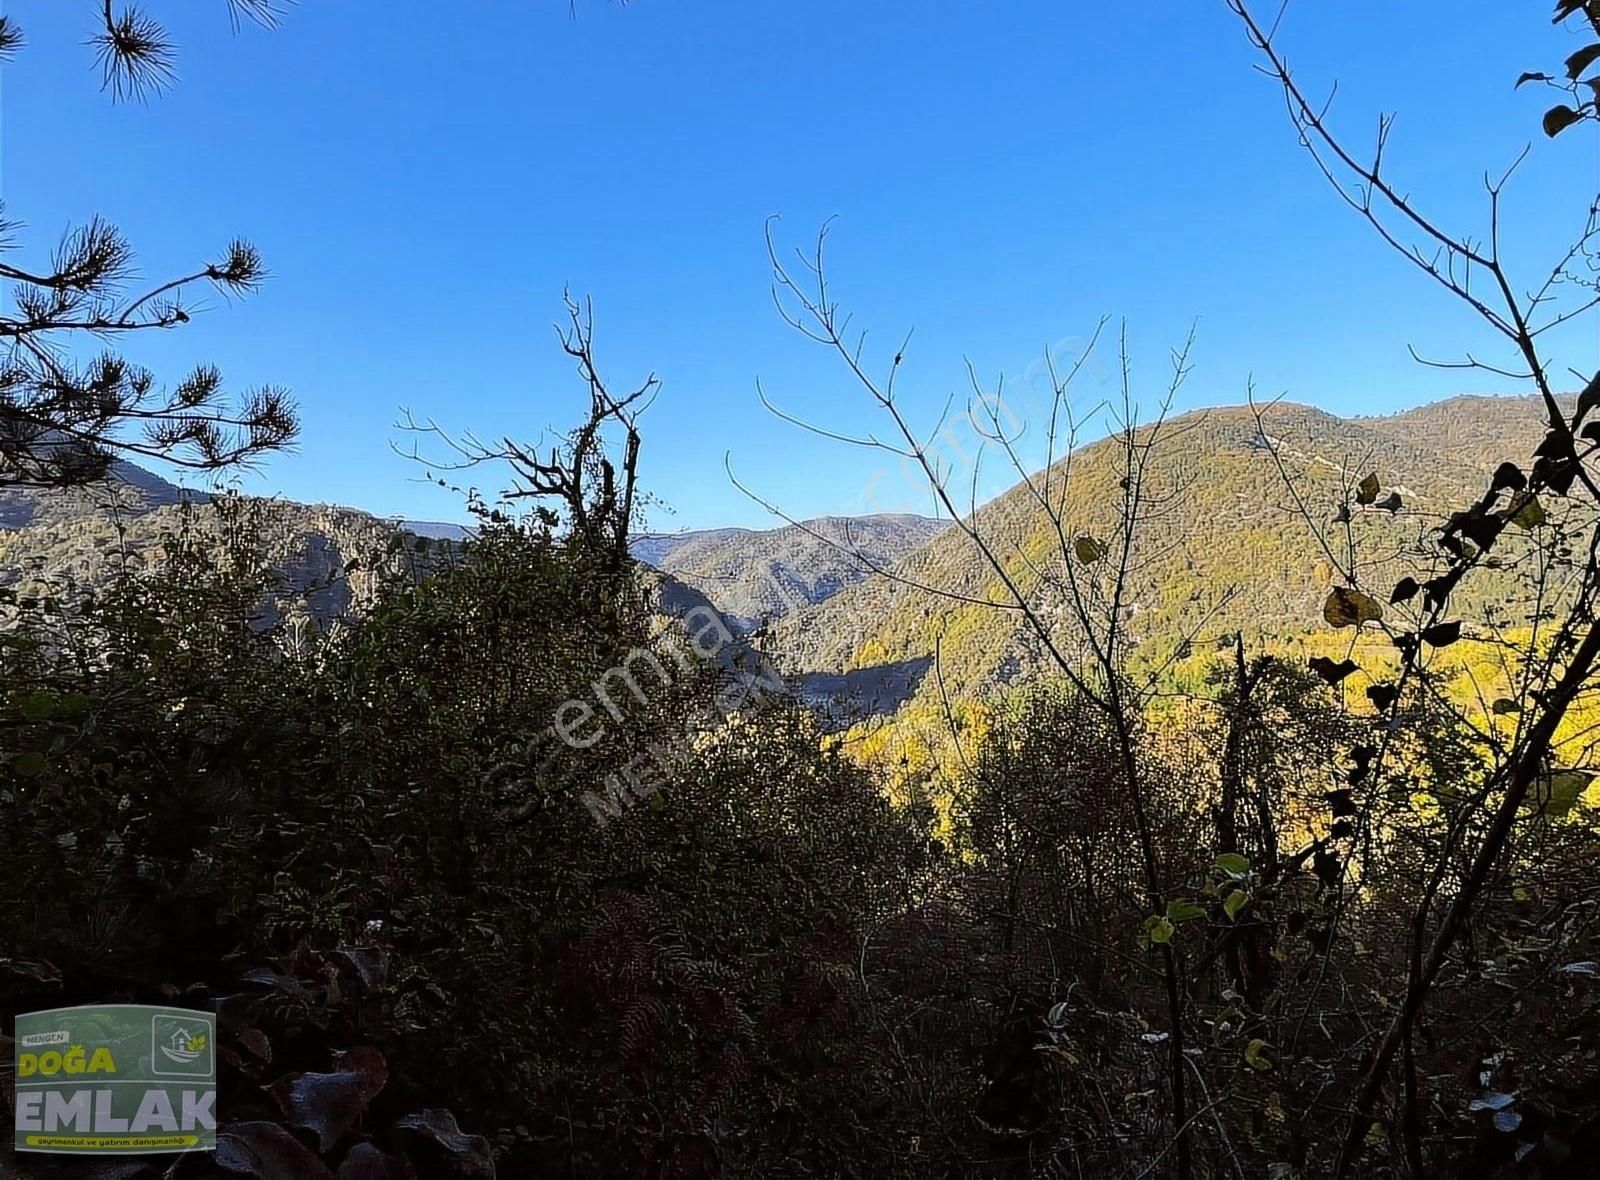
{"x": 425, "y": 180}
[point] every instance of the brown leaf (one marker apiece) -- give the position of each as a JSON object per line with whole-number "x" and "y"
{"x": 1367, "y": 489}
{"x": 1582, "y": 60}
{"x": 328, "y": 1104}
{"x": 1558, "y": 118}
{"x": 1442, "y": 634}
{"x": 1330, "y": 671}
{"x": 367, "y": 1062}
{"x": 256, "y": 1041}
{"x": 268, "y": 1152}
{"x": 1382, "y": 695}
{"x": 470, "y": 1152}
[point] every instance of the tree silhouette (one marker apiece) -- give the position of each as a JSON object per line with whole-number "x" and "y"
{"x": 66, "y": 414}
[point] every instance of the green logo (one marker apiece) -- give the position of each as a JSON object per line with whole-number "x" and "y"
{"x": 116, "y": 1079}
{"x": 180, "y": 1047}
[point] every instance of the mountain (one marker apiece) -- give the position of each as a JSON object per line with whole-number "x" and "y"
{"x": 129, "y": 488}
{"x": 64, "y": 541}
{"x": 435, "y": 530}
{"x": 759, "y": 575}
{"x": 1223, "y": 549}
{"x": 75, "y": 539}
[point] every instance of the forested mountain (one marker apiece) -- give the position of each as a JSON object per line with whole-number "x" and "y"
{"x": 1224, "y": 546}
{"x": 68, "y": 540}
{"x": 756, "y": 575}
{"x": 71, "y": 541}
{"x": 327, "y": 558}
{"x": 1226, "y": 549}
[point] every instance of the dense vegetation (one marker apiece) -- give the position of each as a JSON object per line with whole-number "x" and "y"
{"x": 501, "y": 865}
{"x": 769, "y": 970}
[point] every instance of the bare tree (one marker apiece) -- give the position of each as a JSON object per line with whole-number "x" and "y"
{"x": 1557, "y": 659}
{"x": 587, "y": 481}
{"x": 1089, "y": 576}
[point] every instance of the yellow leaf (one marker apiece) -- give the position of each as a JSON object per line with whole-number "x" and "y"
{"x": 1350, "y": 608}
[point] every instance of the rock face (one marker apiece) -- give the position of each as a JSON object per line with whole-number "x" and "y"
{"x": 756, "y": 576}
{"x": 76, "y": 540}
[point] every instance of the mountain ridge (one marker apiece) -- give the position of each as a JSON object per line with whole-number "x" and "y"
{"x": 1227, "y": 552}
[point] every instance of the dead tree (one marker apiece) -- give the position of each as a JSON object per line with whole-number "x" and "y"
{"x": 587, "y": 482}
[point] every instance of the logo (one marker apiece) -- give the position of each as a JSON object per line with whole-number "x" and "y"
{"x": 116, "y": 1079}
{"x": 178, "y": 1046}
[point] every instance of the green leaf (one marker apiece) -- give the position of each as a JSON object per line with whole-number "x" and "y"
{"x": 1255, "y": 1056}
{"x": 1235, "y": 902}
{"x": 1088, "y": 550}
{"x": 1556, "y": 793}
{"x": 1158, "y": 929}
{"x": 1232, "y": 864}
{"x": 1526, "y": 512}
{"x": 1350, "y": 608}
{"x": 38, "y": 705}
{"x": 1184, "y": 911}
{"x": 29, "y": 764}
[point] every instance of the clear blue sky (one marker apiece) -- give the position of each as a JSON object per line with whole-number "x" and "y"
{"x": 424, "y": 179}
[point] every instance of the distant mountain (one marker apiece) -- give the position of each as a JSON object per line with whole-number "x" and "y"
{"x": 128, "y": 488}
{"x": 759, "y": 575}
{"x": 1223, "y": 551}
{"x": 76, "y": 539}
{"x": 435, "y": 530}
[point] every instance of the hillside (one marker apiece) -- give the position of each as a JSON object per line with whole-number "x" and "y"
{"x": 72, "y": 540}
{"x": 328, "y": 556}
{"x": 756, "y": 575}
{"x": 1224, "y": 551}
